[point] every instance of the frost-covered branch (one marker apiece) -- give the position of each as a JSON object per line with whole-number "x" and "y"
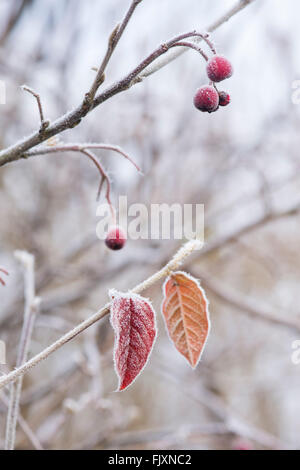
{"x": 85, "y": 149}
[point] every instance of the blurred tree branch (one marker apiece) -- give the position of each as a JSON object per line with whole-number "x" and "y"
{"x": 31, "y": 308}
{"x": 252, "y": 308}
{"x": 13, "y": 20}
{"x": 234, "y": 423}
{"x": 24, "y": 426}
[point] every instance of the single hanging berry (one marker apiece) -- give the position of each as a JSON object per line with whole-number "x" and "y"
{"x": 224, "y": 98}
{"x": 116, "y": 238}
{"x": 219, "y": 68}
{"x": 206, "y": 99}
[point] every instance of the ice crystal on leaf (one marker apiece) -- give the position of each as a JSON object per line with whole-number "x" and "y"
{"x": 133, "y": 320}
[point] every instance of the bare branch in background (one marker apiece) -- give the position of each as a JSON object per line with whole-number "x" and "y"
{"x": 24, "y": 426}
{"x": 13, "y": 20}
{"x": 31, "y": 309}
{"x": 254, "y": 309}
{"x": 264, "y": 220}
{"x": 234, "y": 423}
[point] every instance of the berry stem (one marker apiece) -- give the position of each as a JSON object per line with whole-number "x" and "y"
{"x": 192, "y": 46}
{"x": 85, "y": 149}
{"x": 208, "y": 42}
{"x": 104, "y": 177}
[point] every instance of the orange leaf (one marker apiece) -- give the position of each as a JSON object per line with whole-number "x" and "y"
{"x": 185, "y": 310}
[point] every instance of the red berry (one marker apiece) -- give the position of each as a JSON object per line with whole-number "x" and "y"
{"x": 224, "y": 98}
{"x": 219, "y": 68}
{"x": 242, "y": 444}
{"x": 116, "y": 238}
{"x": 206, "y": 99}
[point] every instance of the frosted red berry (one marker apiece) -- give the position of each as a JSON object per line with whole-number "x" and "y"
{"x": 206, "y": 99}
{"x": 116, "y": 238}
{"x": 219, "y": 68}
{"x": 224, "y": 98}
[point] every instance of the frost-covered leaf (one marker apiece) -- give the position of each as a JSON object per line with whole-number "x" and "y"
{"x": 185, "y": 310}
{"x": 133, "y": 321}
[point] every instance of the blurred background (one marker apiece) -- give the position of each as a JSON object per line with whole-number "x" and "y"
{"x": 241, "y": 162}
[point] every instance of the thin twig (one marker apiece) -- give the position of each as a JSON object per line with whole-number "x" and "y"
{"x": 191, "y": 45}
{"x": 85, "y": 150}
{"x": 73, "y": 118}
{"x": 245, "y": 305}
{"x": 25, "y": 427}
{"x": 79, "y": 148}
{"x": 210, "y": 44}
{"x": 173, "y": 55}
{"x": 105, "y": 177}
{"x": 172, "y": 265}
{"x": 44, "y": 123}
{"x": 31, "y": 307}
{"x": 112, "y": 43}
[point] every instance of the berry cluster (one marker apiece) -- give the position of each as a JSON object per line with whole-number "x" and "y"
{"x": 208, "y": 98}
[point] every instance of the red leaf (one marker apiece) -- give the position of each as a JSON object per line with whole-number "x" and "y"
{"x": 185, "y": 310}
{"x": 133, "y": 321}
